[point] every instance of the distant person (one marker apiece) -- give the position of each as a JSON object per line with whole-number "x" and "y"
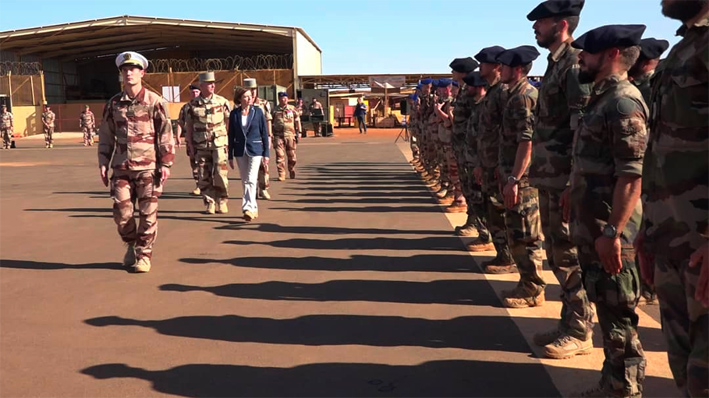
{"x": 286, "y": 124}
{"x": 6, "y": 127}
{"x": 361, "y": 113}
{"x": 316, "y": 110}
{"x": 87, "y": 123}
{"x": 249, "y": 143}
{"x": 48, "y": 123}
{"x": 181, "y": 121}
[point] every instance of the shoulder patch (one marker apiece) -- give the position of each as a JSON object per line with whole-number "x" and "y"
{"x": 626, "y": 106}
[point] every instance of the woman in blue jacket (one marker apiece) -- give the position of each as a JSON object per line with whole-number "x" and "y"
{"x": 249, "y": 143}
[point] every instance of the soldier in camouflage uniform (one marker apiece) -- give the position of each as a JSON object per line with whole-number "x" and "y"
{"x": 6, "y": 126}
{"x": 422, "y": 115}
{"x": 640, "y": 74}
{"x": 264, "y": 178}
{"x": 48, "y": 118}
{"x": 135, "y": 140}
{"x": 413, "y": 126}
{"x": 561, "y": 102}
{"x": 207, "y": 138}
{"x": 286, "y": 128}
{"x": 477, "y": 88}
{"x": 674, "y": 240}
{"x": 486, "y": 174}
{"x": 444, "y": 111}
{"x": 87, "y": 123}
{"x": 607, "y": 153}
{"x": 181, "y": 123}
{"x": 520, "y": 199}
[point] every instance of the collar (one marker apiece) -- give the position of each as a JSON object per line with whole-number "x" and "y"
{"x": 201, "y": 100}
{"x": 701, "y": 22}
{"x": 517, "y": 85}
{"x": 607, "y": 83}
{"x": 138, "y": 98}
{"x": 556, "y": 55}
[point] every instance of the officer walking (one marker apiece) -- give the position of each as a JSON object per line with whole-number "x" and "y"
{"x": 207, "y": 139}
{"x": 181, "y": 123}
{"x": 6, "y": 126}
{"x": 286, "y": 127}
{"x": 605, "y": 190}
{"x": 48, "y": 126}
{"x": 135, "y": 140}
{"x": 87, "y": 123}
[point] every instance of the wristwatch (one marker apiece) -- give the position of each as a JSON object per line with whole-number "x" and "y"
{"x": 610, "y": 231}
{"x": 513, "y": 180}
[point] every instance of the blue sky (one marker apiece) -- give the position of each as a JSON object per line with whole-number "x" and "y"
{"x": 363, "y": 36}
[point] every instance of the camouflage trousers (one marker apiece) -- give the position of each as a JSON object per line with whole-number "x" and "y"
{"x": 576, "y": 312}
{"x": 285, "y": 146}
{"x": 194, "y": 166}
{"x": 616, "y": 297}
{"x": 48, "y": 135}
{"x": 264, "y": 177}
{"x": 6, "y": 138}
{"x": 88, "y": 139}
{"x": 414, "y": 141}
{"x": 495, "y": 211}
{"x": 524, "y": 239}
{"x": 127, "y": 188}
{"x": 685, "y": 323}
{"x": 212, "y": 173}
{"x": 471, "y": 190}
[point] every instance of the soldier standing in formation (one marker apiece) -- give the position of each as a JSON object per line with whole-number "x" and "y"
{"x": 181, "y": 123}
{"x": 264, "y": 177}
{"x": 135, "y": 140}
{"x": 87, "y": 123}
{"x": 673, "y": 242}
{"x": 207, "y": 139}
{"x": 6, "y": 126}
{"x": 561, "y": 101}
{"x": 48, "y": 126}
{"x": 640, "y": 74}
{"x": 286, "y": 128}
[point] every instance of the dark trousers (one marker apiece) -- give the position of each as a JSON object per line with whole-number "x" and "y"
{"x": 361, "y": 123}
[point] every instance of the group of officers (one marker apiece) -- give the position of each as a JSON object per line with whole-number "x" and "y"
{"x": 562, "y": 169}
{"x": 87, "y": 124}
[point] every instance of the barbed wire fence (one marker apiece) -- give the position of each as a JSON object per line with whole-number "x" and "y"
{"x": 20, "y": 68}
{"x": 235, "y": 62}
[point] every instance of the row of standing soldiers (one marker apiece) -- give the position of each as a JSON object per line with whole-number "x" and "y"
{"x": 87, "y": 123}
{"x": 562, "y": 169}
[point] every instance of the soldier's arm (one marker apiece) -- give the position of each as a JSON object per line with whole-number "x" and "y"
{"x": 164, "y": 137}
{"x": 523, "y": 114}
{"x": 577, "y": 95}
{"x": 106, "y": 137}
{"x": 298, "y": 127}
{"x": 189, "y": 129}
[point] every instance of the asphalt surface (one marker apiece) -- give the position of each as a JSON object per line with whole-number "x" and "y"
{"x": 350, "y": 283}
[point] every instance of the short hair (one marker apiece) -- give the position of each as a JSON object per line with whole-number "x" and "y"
{"x": 239, "y": 92}
{"x": 629, "y": 55}
{"x": 526, "y": 68}
{"x": 572, "y": 21}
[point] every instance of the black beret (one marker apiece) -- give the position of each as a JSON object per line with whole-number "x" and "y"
{"x": 556, "y": 8}
{"x": 474, "y": 79}
{"x": 194, "y": 87}
{"x": 464, "y": 65}
{"x": 652, "y": 48}
{"x": 517, "y": 56}
{"x": 488, "y": 55}
{"x": 609, "y": 36}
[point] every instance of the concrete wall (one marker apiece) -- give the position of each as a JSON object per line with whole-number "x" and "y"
{"x": 308, "y": 58}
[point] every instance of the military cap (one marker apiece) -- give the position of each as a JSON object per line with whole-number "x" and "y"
{"x": 556, "y": 8}
{"x": 427, "y": 80}
{"x": 444, "y": 82}
{"x": 517, "y": 56}
{"x": 418, "y": 86}
{"x": 474, "y": 79}
{"x": 194, "y": 87}
{"x": 131, "y": 58}
{"x": 488, "y": 55}
{"x": 206, "y": 77}
{"x": 455, "y": 83}
{"x": 434, "y": 82}
{"x": 652, "y": 48}
{"x": 86, "y": 106}
{"x": 464, "y": 65}
{"x": 250, "y": 83}
{"x": 282, "y": 94}
{"x": 609, "y": 36}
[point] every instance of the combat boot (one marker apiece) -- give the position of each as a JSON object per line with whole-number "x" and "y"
{"x": 142, "y": 266}
{"x": 196, "y": 191}
{"x": 456, "y": 207}
{"x": 523, "y": 299}
{"x": 566, "y": 346}
{"x": 544, "y": 338}
{"x": 442, "y": 193}
{"x": 51, "y": 146}
{"x": 222, "y": 207}
{"x": 211, "y": 208}
{"x": 468, "y": 222}
{"x": 447, "y": 200}
{"x": 292, "y": 174}
{"x": 281, "y": 177}
{"x": 129, "y": 258}
{"x": 248, "y": 216}
{"x": 479, "y": 245}
{"x": 265, "y": 195}
{"x": 600, "y": 392}
{"x": 499, "y": 265}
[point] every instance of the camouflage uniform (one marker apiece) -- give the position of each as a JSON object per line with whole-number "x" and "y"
{"x": 477, "y": 206}
{"x": 642, "y": 82}
{"x": 446, "y": 156}
{"x": 489, "y": 127}
{"x": 135, "y": 137}
{"x": 264, "y": 178}
{"x": 48, "y": 127}
{"x": 608, "y": 144}
{"x": 284, "y": 141}
{"x": 87, "y": 123}
{"x": 208, "y": 119}
{"x": 425, "y": 140}
{"x": 182, "y": 121}
{"x": 6, "y": 125}
{"x": 522, "y": 221}
{"x": 463, "y": 107}
{"x": 561, "y": 101}
{"x": 675, "y": 201}
{"x": 413, "y": 127}
{"x": 434, "y": 146}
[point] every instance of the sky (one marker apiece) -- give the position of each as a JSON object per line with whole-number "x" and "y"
{"x": 364, "y": 36}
